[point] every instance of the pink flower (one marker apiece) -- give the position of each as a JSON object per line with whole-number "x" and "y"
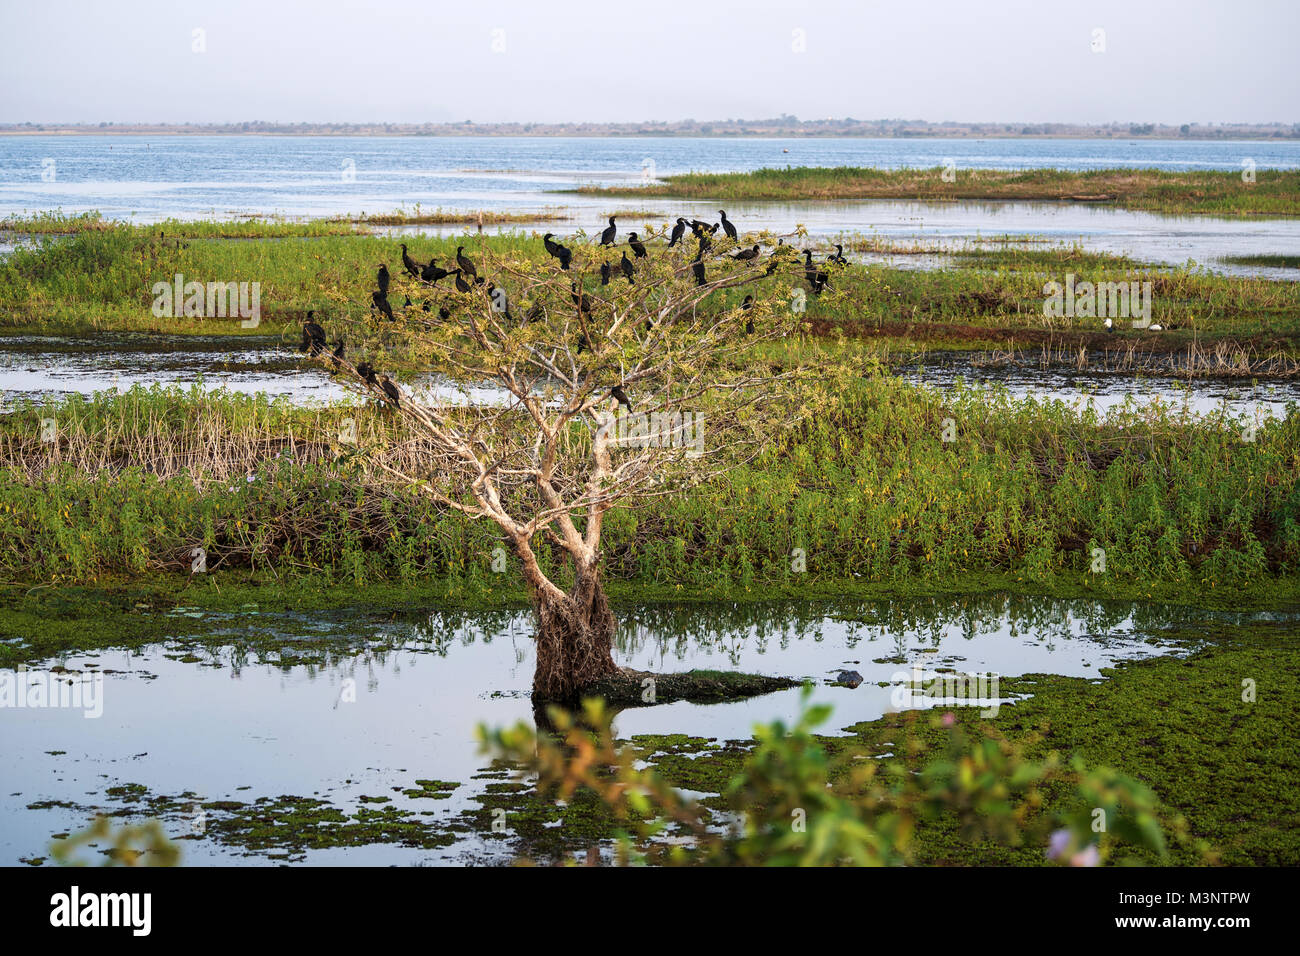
{"x": 949, "y": 719}
{"x": 1090, "y": 855}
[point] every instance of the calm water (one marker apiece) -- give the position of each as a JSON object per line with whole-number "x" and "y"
{"x": 234, "y": 723}
{"x": 150, "y": 178}
{"x": 41, "y": 368}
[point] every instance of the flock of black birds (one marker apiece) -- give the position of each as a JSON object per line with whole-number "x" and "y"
{"x": 465, "y": 276}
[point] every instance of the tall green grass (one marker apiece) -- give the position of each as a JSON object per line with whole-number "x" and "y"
{"x": 871, "y": 492}
{"x": 103, "y": 280}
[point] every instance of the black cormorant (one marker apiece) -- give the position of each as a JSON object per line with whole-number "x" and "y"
{"x": 313, "y": 336}
{"x": 678, "y": 231}
{"x": 433, "y": 272}
{"x": 817, "y": 279}
{"x": 638, "y": 248}
{"x": 607, "y": 237}
{"x": 465, "y": 263}
{"x": 727, "y": 225}
{"x": 410, "y": 264}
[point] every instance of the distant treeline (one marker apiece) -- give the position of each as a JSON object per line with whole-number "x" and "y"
{"x": 779, "y": 126}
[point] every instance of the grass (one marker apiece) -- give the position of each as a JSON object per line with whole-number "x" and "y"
{"x": 1273, "y": 193}
{"x": 102, "y": 279}
{"x": 419, "y": 217}
{"x": 268, "y": 227}
{"x": 871, "y": 493}
{"x": 1275, "y": 262}
{"x": 61, "y": 224}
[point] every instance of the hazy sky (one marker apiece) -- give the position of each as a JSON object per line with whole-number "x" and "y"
{"x": 423, "y": 60}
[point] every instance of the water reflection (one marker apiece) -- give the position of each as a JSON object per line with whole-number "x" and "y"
{"x": 347, "y": 704}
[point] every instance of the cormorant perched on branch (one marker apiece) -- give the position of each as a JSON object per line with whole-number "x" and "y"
{"x": 383, "y": 278}
{"x": 391, "y": 391}
{"x": 580, "y": 300}
{"x": 552, "y": 247}
{"x": 816, "y": 279}
{"x": 433, "y": 272}
{"x": 619, "y": 395}
{"x": 604, "y": 273}
{"x": 745, "y": 307}
{"x": 744, "y": 255}
{"x": 410, "y": 264}
{"x": 698, "y": 268}
{"x": 313, "y": 336}
{"x": 338, "y": 350}
{"x": 558, "y": 250}
{"x": 838, "y": 258}
{"x": 638, "y": 248}
{"x": 678, "y": 231}
{"x": 626, "y": 266}
{"x": 465, "y": 263}
{"x": 367, "y": 373}
{"x": 379, "y": 300}
{"x": 607, "y": 237}
{"x": 772, "y": 262}
{"x": 727, "y": 225}
{"x": 461, "y": 284}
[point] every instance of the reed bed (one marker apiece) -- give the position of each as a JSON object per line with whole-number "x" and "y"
{"x": 1226, "y": 360}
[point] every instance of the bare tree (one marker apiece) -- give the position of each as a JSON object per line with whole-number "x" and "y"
{"x": 611, "y": 387}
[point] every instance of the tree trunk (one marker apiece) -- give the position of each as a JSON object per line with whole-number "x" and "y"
{"x": 575, "y": 639}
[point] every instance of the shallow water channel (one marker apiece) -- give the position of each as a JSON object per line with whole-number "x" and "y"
{"x": 357, "y": 704}
{"x": 40, "y": 368}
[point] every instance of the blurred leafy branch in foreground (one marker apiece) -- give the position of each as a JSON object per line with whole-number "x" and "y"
{"x": 792, "y": 805}
{"x": 142, "y": 844}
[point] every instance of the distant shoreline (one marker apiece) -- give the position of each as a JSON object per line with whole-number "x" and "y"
{"x": 773, "y": 129}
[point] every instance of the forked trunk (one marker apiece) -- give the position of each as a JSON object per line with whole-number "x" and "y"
{"x": 575, "y": 639}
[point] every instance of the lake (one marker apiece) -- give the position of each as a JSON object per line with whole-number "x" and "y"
{"x": 422, "y": 682}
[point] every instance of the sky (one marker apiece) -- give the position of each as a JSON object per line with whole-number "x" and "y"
{"x": 1029, "y": 61}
